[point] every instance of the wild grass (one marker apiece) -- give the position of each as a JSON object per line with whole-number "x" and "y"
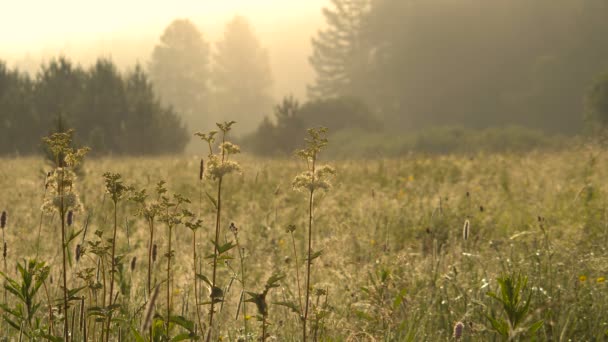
{"x": 395, "y": 263}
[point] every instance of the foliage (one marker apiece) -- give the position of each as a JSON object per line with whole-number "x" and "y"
{"x": 338, "y": 57}
{"x": 393, "y": 264}
{"x": 112, "y": 113}
{"x": 32, "y": 275}
{"x": 285, "y": 134}
{"x": 179, "y": 69}
{"x": 241, "y": 76}
{"x": 516, "y": 308}
{"x": 415, "y": 73}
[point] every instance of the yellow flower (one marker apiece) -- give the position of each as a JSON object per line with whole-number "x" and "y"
{"x": 410, "y": 178}
{"x": 601, "y": 280}
{"x": 247, "y": 317}
{"x": 582, "y": 278}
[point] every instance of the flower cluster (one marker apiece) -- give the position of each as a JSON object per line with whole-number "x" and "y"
{"x": 62, "y": 193}
{"x": 321, "y": 180}
{"x": 218, "y": 164}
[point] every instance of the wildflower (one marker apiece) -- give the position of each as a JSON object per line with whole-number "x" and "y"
{"x": 216, "y": 168}
{"x": 601, "y": 280}
{"x": 582, "y": 278}
{"x": 229, "y": 148}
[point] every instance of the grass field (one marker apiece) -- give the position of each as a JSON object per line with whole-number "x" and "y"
{"x": 395, "y": 265}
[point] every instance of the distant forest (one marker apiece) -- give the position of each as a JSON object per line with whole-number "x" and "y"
{"x": 474, "y": 63}
{"x": 111, "y": 113}
{"x": 392, "y": 67}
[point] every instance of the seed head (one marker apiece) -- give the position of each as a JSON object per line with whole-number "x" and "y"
{"x": 154, "y": 252}
{"x": 133, "y": 263}
{"x": 233, "y": 228}
{"x": 4, "y": 250}
{"x": 149, "y": 315}
{"x": 78, "y": 252}
{"x": 3, "y": 220}
{"x": 465, "y": 230}
{"x": 70, "y": 218}
{"x": 458, "y": 330}
{"x": 201, "y": 170}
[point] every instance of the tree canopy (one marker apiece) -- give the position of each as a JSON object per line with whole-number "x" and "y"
{"x": 179, "y": 69}
{"x": 111, "y": 112}
{"x": 242, "y": 78}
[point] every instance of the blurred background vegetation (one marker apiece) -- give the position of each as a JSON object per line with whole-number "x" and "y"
{"x": 392, "y": 77}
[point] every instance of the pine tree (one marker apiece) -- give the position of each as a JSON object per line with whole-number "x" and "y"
{"x": 179, "y": 69}
{"x": 339, "y": 57}
{"x": 242, "y": 76}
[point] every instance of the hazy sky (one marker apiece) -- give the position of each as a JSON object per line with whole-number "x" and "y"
{"x": 126, "y": 30}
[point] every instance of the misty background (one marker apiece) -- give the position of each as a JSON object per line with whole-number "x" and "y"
{"x": 387, "y": 77}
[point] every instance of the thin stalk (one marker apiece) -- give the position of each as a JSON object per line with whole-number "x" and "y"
{"x": 169, "y": 283}
{"x": 112, "y": 272}
{"x": 66, "y": 335}
{"x": 150, "y": 246}
{"x": 295, "y": 254}
{"x": 217, "y": 239}
{"x": 308, "y": 261}
{"x": 48, "y": 298}
{"x": 242, "y": 257}
{"x": 264, "y": 328}
{"x": 194, "y": 258}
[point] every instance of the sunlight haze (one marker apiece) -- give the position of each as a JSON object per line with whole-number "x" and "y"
{"x": 126, "y": 31}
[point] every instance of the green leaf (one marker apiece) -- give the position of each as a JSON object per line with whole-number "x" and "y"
{"x": 213, "y": 201}
{"x": 399, "y": 299}
{"x": 315, "y": 255}
{"x": 186, "y": 336}
{"x": 182, "y": 322}
{"x": 203, "y": 278}
{"x": 534, "y": 327}
{"x": 136, "y": 335}
{"x": 291, "y": 305}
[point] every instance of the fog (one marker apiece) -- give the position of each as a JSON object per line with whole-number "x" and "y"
{"x": 32, "y": 32}
{"x": 387, "y": 77}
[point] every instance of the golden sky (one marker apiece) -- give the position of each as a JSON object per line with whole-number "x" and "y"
{"x": 30, "y": 24}
{"x": 32, "y": 31}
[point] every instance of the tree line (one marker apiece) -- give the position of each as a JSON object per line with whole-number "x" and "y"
{"x": 206, "y": 84}
{"x": 474, "y": 63}
{"x": 111, "y": 112}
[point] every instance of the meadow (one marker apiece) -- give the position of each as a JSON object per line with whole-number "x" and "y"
{"x": 483, "y": 247}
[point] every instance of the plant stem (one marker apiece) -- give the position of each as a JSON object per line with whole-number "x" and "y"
{"x": 66, "y": 335}
{"x": 308, "y": 261}
{"x": 295, "y": 254}
{"x": 242, "y": 257}
{"x": 217, "y": 238}
{"x": 169, "y": 283}
{"x": 198, "y": 313}
{"x": 150, "y": 244}
{"x": 112, "y": 270}
{"x": 48, "y": 298}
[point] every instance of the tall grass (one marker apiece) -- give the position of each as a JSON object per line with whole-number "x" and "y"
{"x": 397, "y": 261}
